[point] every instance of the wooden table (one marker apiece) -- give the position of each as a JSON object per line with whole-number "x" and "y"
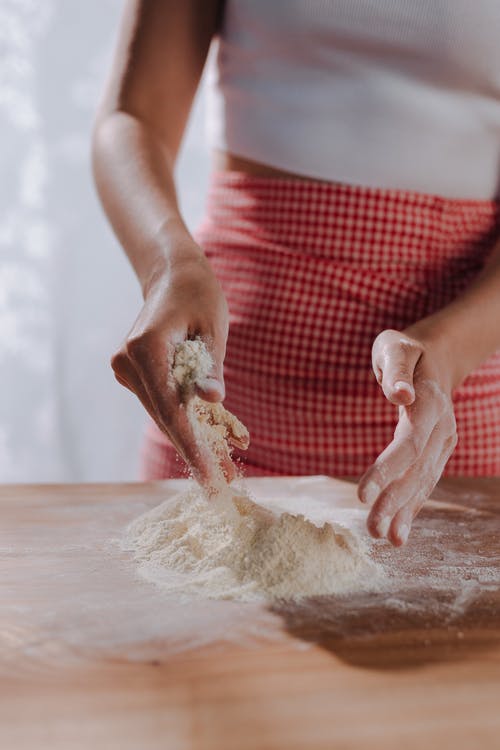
{"x": 92, "y": 658}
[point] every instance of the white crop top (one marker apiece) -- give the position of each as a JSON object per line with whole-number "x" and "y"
{"x": 385, "y": 93}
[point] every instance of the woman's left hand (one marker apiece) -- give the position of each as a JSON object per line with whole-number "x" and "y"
{"x": 415, "y": 377}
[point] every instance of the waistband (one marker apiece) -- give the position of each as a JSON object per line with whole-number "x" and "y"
{"x": 348, "y": 222}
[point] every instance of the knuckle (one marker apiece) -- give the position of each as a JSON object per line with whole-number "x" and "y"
{"x": 442, "y": 401}
{"x": 401, "y": 351}
{"x": 139, "y": 346}
{"x": 439, "y": 400}
{"x": 454, "y": 426}
{"x": 402, "y": 372}
{"x": 118, "y": 361}
{"x": 451, "y": 442}
{"x": 382, "y": 341}
{"x": 408, "y": 346}
{"x": 413, "y": 446}
{"x": 388, "y": 334}
{"x": 378, "y": 523}
{"x": 448, "y": 427}
{"x": 368, "y": 488}
{"x": 428, "y": 485}
{"x": 386, "y": 502}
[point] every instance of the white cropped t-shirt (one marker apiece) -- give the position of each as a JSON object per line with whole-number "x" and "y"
{"x": 386, "y": 93}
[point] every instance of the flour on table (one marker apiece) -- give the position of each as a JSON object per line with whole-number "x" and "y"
{"x": 232, "y": 548}
{"x": 228, "y": 546}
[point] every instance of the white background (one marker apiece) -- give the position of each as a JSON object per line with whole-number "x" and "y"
{"x": 67, "y": 293}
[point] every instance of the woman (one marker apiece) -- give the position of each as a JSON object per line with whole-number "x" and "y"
{"x": 352, "y": 222}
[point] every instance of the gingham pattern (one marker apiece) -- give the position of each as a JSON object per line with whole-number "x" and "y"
{"x": 312, "y": 272}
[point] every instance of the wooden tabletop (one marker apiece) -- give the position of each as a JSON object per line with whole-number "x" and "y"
{"x": 93, "y": 657}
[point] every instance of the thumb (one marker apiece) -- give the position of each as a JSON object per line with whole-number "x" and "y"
{"x": 394, "y": 360}
{"x": 212, "y": 388}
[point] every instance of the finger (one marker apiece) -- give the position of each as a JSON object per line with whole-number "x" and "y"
{"x": 226, "y": 462}
{"x": 153, "y": 361}
{"x": 400, "y": 490}
{"x": 241, "y": 441}
{"x": 141, "y": 395}
{"x": 236, "y": 432}
{"x": 212, "y": 387}
{"x": 231, "y": 433}
{"x": 413, "y": 430}
{"x": 402, "y": 522}
{"x": 140, "y": 392}
{"x": 394, "y": 358}
{"x": 214, "y": 417}
{"x": 126, "y": 376}
{"x": 195, "y": 451}
{"x": 415, "y": 485}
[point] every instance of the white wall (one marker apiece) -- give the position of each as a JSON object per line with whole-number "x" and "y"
{"x": 67, "y": 294}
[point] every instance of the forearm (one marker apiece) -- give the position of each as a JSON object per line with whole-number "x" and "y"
{"x": 133, "y": 173}
{"x": 467, "y": 331}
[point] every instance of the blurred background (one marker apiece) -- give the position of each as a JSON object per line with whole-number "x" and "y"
{"x": 67, "y": 293}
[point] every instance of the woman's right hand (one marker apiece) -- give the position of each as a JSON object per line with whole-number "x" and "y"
{"x": 182, "y": 299}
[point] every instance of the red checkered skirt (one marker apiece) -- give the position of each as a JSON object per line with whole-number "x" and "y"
{"x": 312, "y": 272}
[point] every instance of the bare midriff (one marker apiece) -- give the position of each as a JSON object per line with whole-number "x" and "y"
{"x": 225, "y": 160}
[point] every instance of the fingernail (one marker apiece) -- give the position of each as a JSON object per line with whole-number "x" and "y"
{"x": 383, "y": 526}
{"x": 372, "y": 491}
{"x": 400, "y": 385}
{"x": 403, "y": 532}
{"x": 210, "y": 384}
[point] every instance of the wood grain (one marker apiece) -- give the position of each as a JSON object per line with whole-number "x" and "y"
{"x": 346, "y": 673}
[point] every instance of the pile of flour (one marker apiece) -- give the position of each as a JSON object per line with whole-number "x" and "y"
{"x": 230, "y": 547}
{"x": 222, "y": 544}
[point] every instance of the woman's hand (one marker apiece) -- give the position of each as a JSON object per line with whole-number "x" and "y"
{"x": 182, "y": 299}
{"x": 415, "y": 376}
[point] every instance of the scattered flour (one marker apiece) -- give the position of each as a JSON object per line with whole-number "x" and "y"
{"x": 221, "y": 544}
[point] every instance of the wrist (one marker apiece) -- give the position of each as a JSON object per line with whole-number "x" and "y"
{"x": 448, "y": 361}
{"x": 179, "y": 258}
